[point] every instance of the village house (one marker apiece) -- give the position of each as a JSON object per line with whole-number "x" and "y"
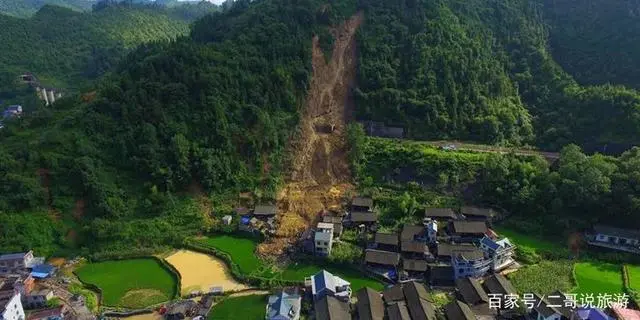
{"x": 470, "y": 291}
{"x": 458, "y": 310}
{"x": 362, "y": 204}
{"x": 15, "y": 262}
{"x": 385, "y": 241}
{"x": 12, "y": 112}
{"x": 414, "y": 269}
{"x": 431, "y": 227}
{"x": 11, "y": 308}
{"x": 413, "y": 233}
{"x": 414, "y": 250}
{"x": 551, "y": 307}
{"x": 470, "y": 263}
{"x": 369, "y": 305}
{"x": 625, "y": 313}
{"x": 326, "y": 284}
{"x": 467, "y": 231}
{"x": 337, "y": 224}
{"x": 384, "y": 263}
{"x": 22, "y": 284}
{"x": 330, "y": 308}
{"x": 615, "y": 238}
{"x": 591, "y": 313}
{"x": 42, "y": 271}
{"x": 442, "y": 214}
{"x": 226, "y": 220}
{"x": 362, "y": 219}
{"x": 445, "y": 251}
{"x": 323, "y": 238}
{"x": 284, "y": 306}
{"x": 409, "y": 300}
{"x": 419, "y": 302}
{"x": 57, "y": 313}
{"x": 265, "y": 211}
{"x": 37, "y": 298}
{"x": 441, "y": 275}
{"x": 498, "y": 285}
{"x": 501, "y": 252}
{"x": 475, "y": 213}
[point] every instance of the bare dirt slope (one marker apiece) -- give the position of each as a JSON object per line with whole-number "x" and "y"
{"x": 319, "y": 173}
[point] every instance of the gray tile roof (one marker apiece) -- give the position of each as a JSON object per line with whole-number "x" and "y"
{"x": 362, "y": 202}
{"x": 265, "y": 210}
{"x": 419, "y": 301}
{"x": 414, "y": 246}
{"x": 398, "y": 311}
{"x": 409, "y": 232}
{"x": 393, "y": 294}
{"x": 369, "y": 305}
{"x": 474, "y": 227}
{"x": 476, "y": 211}
{"x": 439, "y": 213}
{"x": 498, "y": 284}
{"x": 358, "y": 216}
{"x": 382, "y": 257}
{"x": 386, "y": 238}
{"x": 414, "y": 265}
{"x": 330, "y": 308}
{"x": 457, "y": 310}
{"x": 471, "y": 291}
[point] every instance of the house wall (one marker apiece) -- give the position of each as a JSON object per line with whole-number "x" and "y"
{"x": 13, "y": 310}
{"x": 616, "y": 240}
{"x": 476, "y": 268}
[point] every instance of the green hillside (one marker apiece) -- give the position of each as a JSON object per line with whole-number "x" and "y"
{"x": 26, "y": 8}
{"x": 211, "y": 113}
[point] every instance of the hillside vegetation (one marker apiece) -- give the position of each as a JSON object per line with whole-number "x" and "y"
{"x": 128, "y": 167}
{"x": 64, "y": 48}
{"x": 480, "y": 70}
{"x": 26, "y": 8}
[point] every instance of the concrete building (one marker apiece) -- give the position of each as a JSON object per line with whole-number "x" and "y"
{"x": 11, "y": 308}
{"x": 501, "y": 252}
{"x": 14, "y": 262}
{"x": 324, "y": 238}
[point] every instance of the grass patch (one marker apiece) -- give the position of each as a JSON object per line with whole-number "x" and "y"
{"x": 598, "y": 278}
{"x": 634, "y": 277}
{"x": 544, "y": 277}
{"x": 241, "y": 308}
{"x": 241, "y": 250}
{"x": 527, "y": 241}
{"x": 132, "y": 283}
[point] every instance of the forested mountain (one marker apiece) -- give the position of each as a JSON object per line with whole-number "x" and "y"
{"x": 26, "y": 8}
{"x": 596, "y": 40}
{"x": 64, "y": 48}
{"x": 120, "y": 166}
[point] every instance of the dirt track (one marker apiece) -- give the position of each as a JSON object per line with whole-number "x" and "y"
{"x": 319, "y": 173}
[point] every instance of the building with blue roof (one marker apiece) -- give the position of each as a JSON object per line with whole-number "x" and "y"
{"x": 326, "y": 284}
{"x": 589, "y": 313}
{"x": 42, "y": 271}
{"x": 284, "y": 306}
{"x": 500, "y": 251}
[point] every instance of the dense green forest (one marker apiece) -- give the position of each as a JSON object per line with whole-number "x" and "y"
{"x": 120, "y": 166}
{"x": 595, "y": 40}
{"x": 26, "y": 8}
{"x": 569, "y": 196}
{"x": 480, "y": 70}
{"x": 208, "y": 112}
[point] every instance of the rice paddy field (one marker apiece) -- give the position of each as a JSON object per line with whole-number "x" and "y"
{"x": 250, "y": 307}
{"x": 131, "y": 283}
{"x": 596, "y": 277}
{"x": 634, "y": 277}
{"x": 241, "y": 250}
{"x": 200, "y": 272}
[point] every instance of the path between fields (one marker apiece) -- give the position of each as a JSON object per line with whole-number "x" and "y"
{"x": 319, "y": 170}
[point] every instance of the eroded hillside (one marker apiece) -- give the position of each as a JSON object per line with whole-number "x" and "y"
{"x": 319, "y": 173}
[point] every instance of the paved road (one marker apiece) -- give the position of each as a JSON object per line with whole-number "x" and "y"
{"x": 550, "y": 156}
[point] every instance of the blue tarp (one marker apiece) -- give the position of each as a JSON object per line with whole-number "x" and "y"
{"x": 42, "y": 270}
{"x": 39, "y": 275}
{"x": 245, "y": 220}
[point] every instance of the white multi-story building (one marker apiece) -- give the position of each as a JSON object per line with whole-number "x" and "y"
{"x": 500, "y": 251}
{"x": 11, "y": 308}
{"x": 324, "y": 238}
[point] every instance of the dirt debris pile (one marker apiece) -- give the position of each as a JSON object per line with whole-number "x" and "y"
{"x": 319, "y": 173}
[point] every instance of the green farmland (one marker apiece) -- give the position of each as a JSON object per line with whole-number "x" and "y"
{"x": 242, "y": 252}
{"x": 240, "y": 308}
{"x": 634, "y": 277}
{"x": 544, "y": 277}
{"x": 132, "y": 283}
{"x": 598, "y": 278}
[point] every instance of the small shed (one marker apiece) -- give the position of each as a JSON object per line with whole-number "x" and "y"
{"x": 227, "y": 219}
